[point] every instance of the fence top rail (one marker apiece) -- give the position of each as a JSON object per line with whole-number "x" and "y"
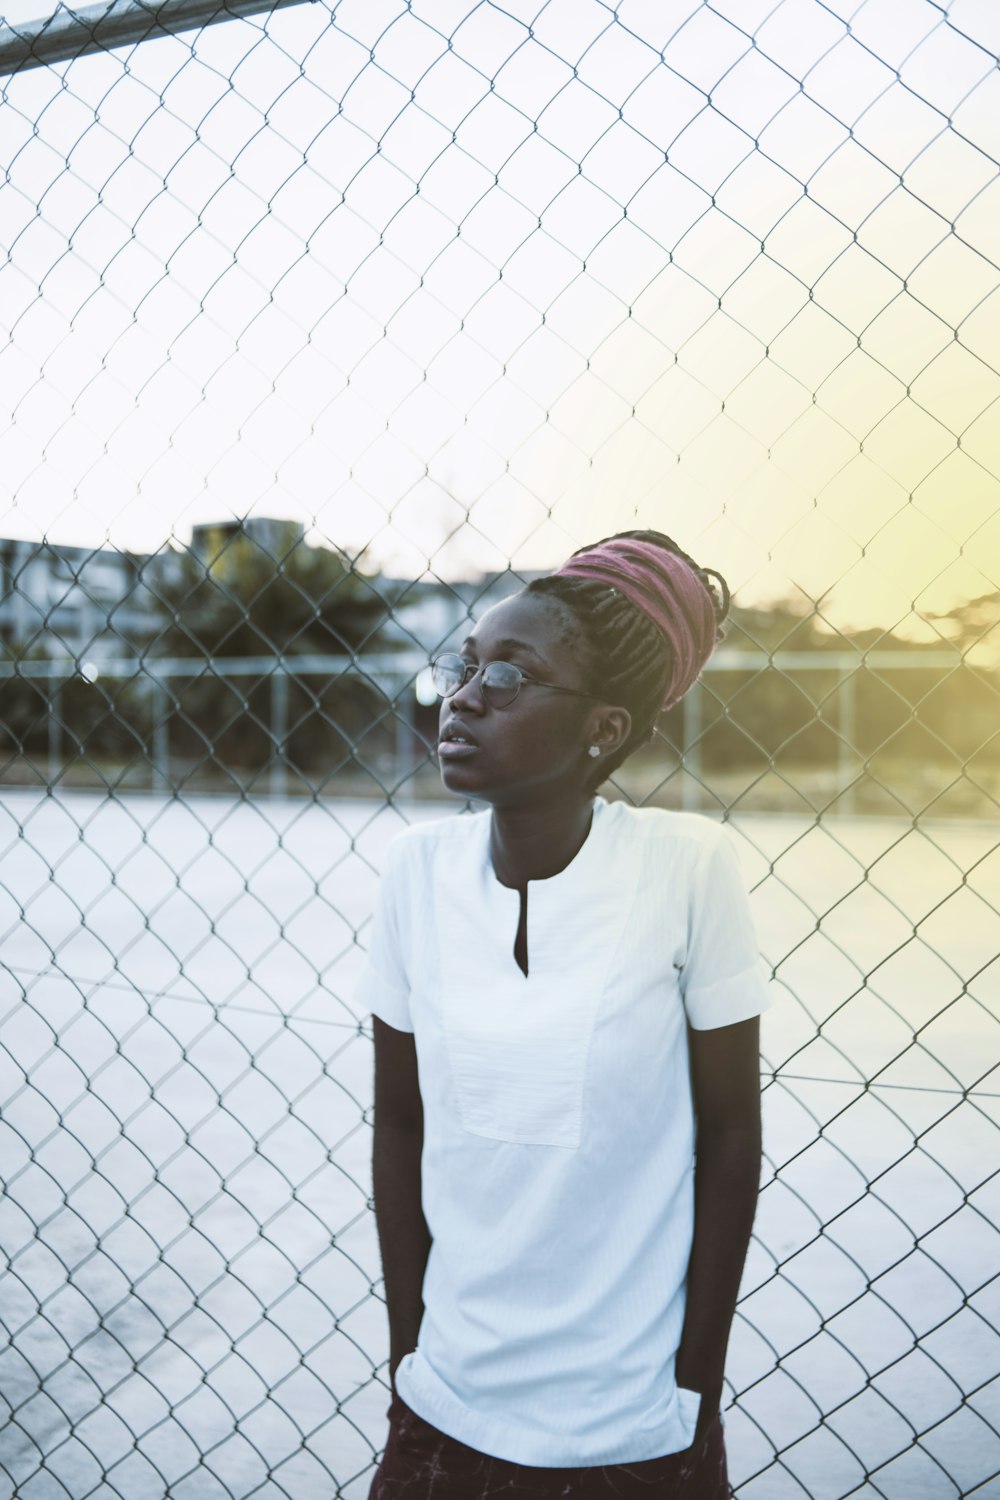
{"x": 376, "y": 665}
{"x": 407, "y": 664}
{"x": 66, "y": 33}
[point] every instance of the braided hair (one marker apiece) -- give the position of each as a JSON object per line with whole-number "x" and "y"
{"x": 627, "y": 659}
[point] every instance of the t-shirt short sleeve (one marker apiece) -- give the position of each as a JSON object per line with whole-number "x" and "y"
{"x": 723, "y": 979}
{"x": 383, "y": 987}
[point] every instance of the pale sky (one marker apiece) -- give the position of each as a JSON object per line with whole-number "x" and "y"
{"x": 730, "y": 270}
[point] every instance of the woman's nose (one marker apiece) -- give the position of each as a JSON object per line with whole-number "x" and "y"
{"x": 469, "y": 697}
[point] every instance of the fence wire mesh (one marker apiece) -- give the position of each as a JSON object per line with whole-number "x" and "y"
{"x": 372, "y": 310}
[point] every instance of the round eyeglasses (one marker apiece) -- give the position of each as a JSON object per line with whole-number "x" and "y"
{"x": 499, "y": 681}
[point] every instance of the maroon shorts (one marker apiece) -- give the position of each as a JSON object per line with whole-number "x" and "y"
{"x": 421, "y": 1463}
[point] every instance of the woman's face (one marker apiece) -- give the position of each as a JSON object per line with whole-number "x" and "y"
{"x": 536, "y": 745}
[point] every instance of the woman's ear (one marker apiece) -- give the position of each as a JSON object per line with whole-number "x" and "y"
{"x": 609, "y": 729}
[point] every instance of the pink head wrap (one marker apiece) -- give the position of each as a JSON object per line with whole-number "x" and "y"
{"x": 665, "y": 588}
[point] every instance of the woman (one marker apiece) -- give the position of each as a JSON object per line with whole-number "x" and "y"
{"x": 561, "y": 988}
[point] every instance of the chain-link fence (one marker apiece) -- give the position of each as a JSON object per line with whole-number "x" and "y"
{"x": 327, "y": 328}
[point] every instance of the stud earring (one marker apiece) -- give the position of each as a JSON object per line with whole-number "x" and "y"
{"x": 594, "y": 750}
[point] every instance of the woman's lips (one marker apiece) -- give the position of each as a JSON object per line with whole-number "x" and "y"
{"x": 455, "y": 741}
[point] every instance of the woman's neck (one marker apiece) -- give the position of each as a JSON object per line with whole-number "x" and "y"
{"x": 535, "y": 843}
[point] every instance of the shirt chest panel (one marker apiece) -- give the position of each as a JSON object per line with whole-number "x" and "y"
{"x": 514, "y": 1052}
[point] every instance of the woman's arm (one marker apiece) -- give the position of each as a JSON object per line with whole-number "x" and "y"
{"x": 404, "y": 1239}
{"x": 725, "y": 1078}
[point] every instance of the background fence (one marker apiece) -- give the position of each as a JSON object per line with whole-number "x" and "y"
{"x": 327, "y": 327}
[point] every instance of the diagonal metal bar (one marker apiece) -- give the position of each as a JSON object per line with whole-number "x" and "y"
{"x": 68, "y": 33}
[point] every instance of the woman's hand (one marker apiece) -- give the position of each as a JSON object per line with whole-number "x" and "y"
{"x": 711, "y": 1401}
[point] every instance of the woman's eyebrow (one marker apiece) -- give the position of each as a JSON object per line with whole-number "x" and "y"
{"x": 508, "y": 644}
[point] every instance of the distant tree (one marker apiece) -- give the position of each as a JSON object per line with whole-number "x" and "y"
{"x": 24, "y": 701}
{"x": 792, "y": 625}
{"x": 781, "y": 625}
{"x": 241, "y": 601}
{"x": 245, "y": 602}
{"x": 969, "y": 622}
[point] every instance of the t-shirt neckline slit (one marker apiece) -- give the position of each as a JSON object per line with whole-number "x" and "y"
{"x": 523, "y": 906}
{"x": 571, "y": 870}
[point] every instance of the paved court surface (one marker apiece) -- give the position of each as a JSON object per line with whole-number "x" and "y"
{"x": 192, "y": 1304}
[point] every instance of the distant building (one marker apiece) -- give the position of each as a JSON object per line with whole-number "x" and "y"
{"x": 58, "y": 600}
{"x": 432, "y": 616}
{"x": 101, "y": 603}
{"x": 275, "y": 536}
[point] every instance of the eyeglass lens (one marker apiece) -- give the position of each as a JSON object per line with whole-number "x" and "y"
{"x": 500, "y": 680}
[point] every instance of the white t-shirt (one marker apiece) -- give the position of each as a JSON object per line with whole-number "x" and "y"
{"x": 557, "y": 1166}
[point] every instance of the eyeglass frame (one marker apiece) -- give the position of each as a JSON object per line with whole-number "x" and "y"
{"x": 472, "y": 668}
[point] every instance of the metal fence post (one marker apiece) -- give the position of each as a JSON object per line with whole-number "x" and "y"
{"x": 691, "y": 752}
{"x": 404, "y": 721}
{"x": 54, "y": 725}
{"x": 848, "y": 755}
{"x": 278, "y": 780}
{"x": 160, "y": 777}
